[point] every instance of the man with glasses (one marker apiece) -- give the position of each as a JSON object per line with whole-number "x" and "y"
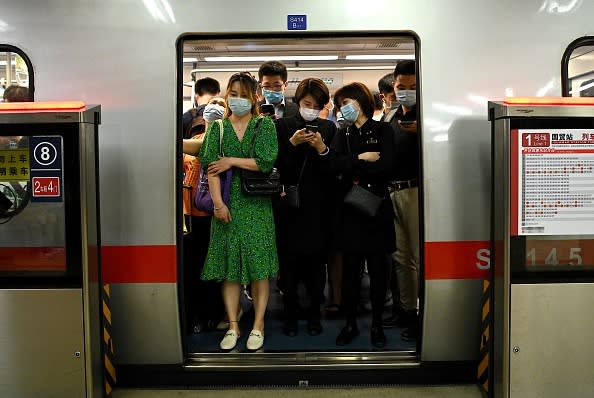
{"x": 273, "y": 81}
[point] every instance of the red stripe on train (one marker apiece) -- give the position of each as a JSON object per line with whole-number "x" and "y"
{"x": 457, "y": 260}
{"x": 158, "y": 263}
{"x": 139, "y": 264}
{"x": 32, "y": 259}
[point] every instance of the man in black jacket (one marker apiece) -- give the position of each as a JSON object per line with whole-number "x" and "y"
{"x": 405, "y": 198}
{"x": 272, "y": 76}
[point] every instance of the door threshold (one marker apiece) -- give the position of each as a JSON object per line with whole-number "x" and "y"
{"x": 258, "y": 361}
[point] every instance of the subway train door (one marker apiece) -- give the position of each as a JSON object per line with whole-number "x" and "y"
{"x": 337, "y": 61}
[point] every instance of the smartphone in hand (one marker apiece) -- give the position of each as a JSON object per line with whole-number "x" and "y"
{"x": 311, "y": 128}
{"x": 267, "y": 109}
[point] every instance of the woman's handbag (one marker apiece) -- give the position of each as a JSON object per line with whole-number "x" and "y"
{"x": 364, "y": 201}
{"x": 290, "y": 196}
{"x": 203, "y": 199}
{"x": 256, "y": 182}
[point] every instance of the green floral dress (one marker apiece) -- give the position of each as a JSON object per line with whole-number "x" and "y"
{"x": 243, "y": 250}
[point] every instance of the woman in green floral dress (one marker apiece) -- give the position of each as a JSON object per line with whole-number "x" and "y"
{"x": 242, "y": 246}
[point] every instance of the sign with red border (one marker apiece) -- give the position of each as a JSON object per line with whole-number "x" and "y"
{"x": 46, "y": 187}
{"x": 552, "y": 180}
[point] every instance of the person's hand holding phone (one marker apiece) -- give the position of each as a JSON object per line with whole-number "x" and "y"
{"x": 300, "y": 136}
{"x": 317, "y": 142}
{"x": 268, "y": 110}
{"x": 408, "y": 125}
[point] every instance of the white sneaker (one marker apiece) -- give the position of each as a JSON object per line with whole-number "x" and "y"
{"x": 255, "y": 341}
{"x": 229, "y": 341}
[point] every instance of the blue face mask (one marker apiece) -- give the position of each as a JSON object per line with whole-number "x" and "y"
{"x": 350, "y": 112}
{"x": 273, "y": 97}
{"x": 239, "y": 106}
{"x": 407, "y": 98}
{"x": 213, "y": 112}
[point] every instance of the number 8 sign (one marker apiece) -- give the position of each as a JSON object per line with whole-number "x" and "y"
{"x": 45, "y": 153}
{"x": 46, "y": 168}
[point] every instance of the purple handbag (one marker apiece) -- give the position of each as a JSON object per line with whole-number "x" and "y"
{"x": 202, "y": 199}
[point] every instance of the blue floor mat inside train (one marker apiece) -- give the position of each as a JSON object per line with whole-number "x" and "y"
{"x": 276, "y": 341}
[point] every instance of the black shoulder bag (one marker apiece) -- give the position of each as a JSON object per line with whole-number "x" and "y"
{"x": 290, "y": 196}
{"x": 257, "y": 182}
{"x": 359, "y": 198}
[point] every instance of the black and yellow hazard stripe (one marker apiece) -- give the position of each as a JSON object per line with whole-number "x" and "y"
{"x": 483, "y": 368}
{"x": 108, "y": 351}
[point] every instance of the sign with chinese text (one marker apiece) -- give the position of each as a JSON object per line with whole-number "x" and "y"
{"x": 14, "y": 164}
{"x": 46, "y": 168}
{"x": 552, "y": 182}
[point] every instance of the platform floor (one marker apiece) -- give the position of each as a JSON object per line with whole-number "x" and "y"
{"x": 462, "y": 391}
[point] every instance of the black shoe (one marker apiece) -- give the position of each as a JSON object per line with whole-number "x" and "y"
{"x": 290, "y": 328}
{"x": 314, "y": 327}
{"x": 411, "y": 333}
{"x": 347, "y": 334}
{"x": 391, "y": 321}
{"x": 400, "y": 319}
{"x": 378, "y": 338}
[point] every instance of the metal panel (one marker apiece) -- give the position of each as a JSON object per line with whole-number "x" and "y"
{"x": 146, "y": 323}
{"x": 451, "y": 323}
{"x": 90, "y": 253}
{"x": 551, "y": 330}
{"x": 524, "y": 111}
{"x": 86, "y": 115}
{"x": 500, "y": 258}
{"x": 40, "y": 334}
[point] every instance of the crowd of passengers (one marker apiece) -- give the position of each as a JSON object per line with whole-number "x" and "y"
{"x": 322, "y": 147}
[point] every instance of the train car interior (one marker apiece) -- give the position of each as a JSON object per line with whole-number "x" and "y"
{"x": 337, "y": 61}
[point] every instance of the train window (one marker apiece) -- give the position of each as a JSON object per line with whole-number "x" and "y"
{"x": 16, "y": 75}
{"x": 577, "y": 68}
{"x": 336, "y": 60}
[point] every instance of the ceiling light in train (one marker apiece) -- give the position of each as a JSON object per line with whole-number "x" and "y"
{"x": 273, "y": 58}
{"x": 312, "y": 68}
{"x": 582, "y": 88}
{"x": 371, "y": 57}
{"x": 190, "y": 60}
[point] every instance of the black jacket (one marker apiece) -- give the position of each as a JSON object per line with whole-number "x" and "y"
{"x": 304, "y": 230}
{"x": 357, "y": 233}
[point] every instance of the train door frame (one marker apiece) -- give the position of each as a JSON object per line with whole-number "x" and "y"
{"x": 5, "y": 48}
{"x": 179, "y": 158}
{"x": 574, "y": 45}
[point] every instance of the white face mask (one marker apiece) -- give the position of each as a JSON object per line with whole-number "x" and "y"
{"x": 309, "y": 114}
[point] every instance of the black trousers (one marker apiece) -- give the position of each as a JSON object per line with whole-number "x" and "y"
{"x": 203, "y": 299}
{"x": 352, "y": 267}
{"x": 310, "y": 269}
